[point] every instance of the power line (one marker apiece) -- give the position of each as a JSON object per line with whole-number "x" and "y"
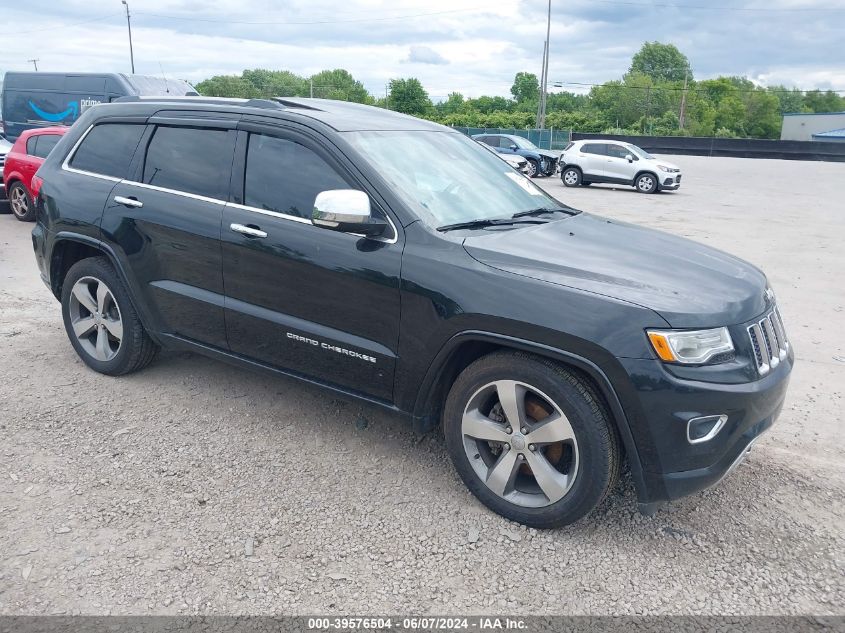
{"x": 61, "y": 26}
{"x": 661, "y": 5}
{"x": 679, "y": 89}
{"x": 308, "y": 22}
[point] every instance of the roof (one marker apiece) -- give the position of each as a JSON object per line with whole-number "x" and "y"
{"x": 840, "y": 133}
{"x": 811, "y": 113}
{"x": 343, "y": 116}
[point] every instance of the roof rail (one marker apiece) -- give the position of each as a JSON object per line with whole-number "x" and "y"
{"x": 294, "y": 103}
{"x": 264, "y": 103}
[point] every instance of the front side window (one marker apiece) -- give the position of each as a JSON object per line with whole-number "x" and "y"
{"x": 46, "y": 142}
{"x": 523, "y": 143}
{"x": 446, "y": 178}
{"x": 617, "y": 151}
{"x": 108, "y": 149}
{"x": 285, "y": 176}
{"x": 193, "y": 160}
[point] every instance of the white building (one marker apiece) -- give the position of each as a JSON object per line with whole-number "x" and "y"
{"x": 799, "y": 126}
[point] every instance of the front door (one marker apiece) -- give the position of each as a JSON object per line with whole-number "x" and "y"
{"x": 618, "y": 167}
{"x": 305, "y": 299}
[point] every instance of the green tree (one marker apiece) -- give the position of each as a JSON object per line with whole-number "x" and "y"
{"x": 762, "y": 114}
{"x": 454, "y": 103}
{"x": 829, "y": 101}
{"x": 661, "y": 62}
{"x": 227, "y": 86}
{"x": 525, "y": 88}
{"x": 408, "y": 96}
{"x": 339, "y": 84}
{"x": 276, "y": 83}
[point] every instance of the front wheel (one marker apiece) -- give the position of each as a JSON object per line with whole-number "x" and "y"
{"x": 530, "y": 439}
{"x": 21, "y": 203}
{"x": 101, "y": 321}
{"x": 646, "y": 183}
{"x": 571, "y": 177}
{"x": 533, "y": 169}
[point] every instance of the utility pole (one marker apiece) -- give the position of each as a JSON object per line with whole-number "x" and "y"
{"x": 683, "y": 112}
{"x": 129, "y": 27}
{"x": 542, "y": 79}
{"x": 34, "y": 62}
{"x": 541, "y": 115}
{"x": 647, "y": 121}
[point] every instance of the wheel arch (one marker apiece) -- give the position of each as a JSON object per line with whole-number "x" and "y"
{"x": 69, "y": 248}
{"x": 642, "y": 172}
{"x": 466, "y": 347}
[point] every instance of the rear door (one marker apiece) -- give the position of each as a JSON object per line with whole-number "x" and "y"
{"x": 592, "y": 158}
{"x": 301, "y": 298}
{"x": 165, "y": 223}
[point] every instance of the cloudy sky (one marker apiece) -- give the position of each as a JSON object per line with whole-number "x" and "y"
{"x": 471, "y": 46}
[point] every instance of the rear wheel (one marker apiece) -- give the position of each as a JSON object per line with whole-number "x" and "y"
{"x": 530, "y": 439}
{"x": 646, "y": 183}
{"x": 20, "y": 203}
{"x": 571, "y": 176}
{"x": 101, "y": 321}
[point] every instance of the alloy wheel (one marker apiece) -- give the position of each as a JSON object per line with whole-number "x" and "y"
{"x": 19, "y": 201}
{"x": 520, "y": 443}
{"x": 645, "y": 183}
{"x": 95, "y": 317}
{"x": 570, "y": 178}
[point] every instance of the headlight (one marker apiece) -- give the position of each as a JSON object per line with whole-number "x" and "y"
{"x": 664, "y": 168}
{"x": 690, "y": 347}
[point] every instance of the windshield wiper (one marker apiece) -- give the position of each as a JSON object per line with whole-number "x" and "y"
{"x": 543, "y": 210}
{"x": 481, "y": 223}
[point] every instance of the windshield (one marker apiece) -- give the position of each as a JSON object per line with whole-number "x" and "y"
{"x": 639, "y": 152}
{"x": 524, "y": 143}
{"x": 447, "y": 178}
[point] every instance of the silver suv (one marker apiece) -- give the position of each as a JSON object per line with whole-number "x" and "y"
{"x": 588, "y": 161}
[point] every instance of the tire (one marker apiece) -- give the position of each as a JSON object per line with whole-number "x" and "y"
{"x": 571, "y": 177}
{"x": 578, "y": 451}
{"x": 533, "y": 168}
{"x": 20, "y": 202}
{"x": 126, "y": 348}
{"x": 646, "y": 183}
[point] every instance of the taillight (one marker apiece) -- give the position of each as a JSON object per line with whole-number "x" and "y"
{"x": 37, "y": 181}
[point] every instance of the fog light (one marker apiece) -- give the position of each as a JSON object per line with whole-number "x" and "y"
{"x": 704, "y": 428}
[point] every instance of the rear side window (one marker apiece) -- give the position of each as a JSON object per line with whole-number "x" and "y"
{"x": 594, "y": 148}
{"x": 108, "y": 148}
{"x": 30, "y": 145}
{"x": 285, "y": 177}
{"x": 193, "y": 160}
{"x": 46, "y": 142}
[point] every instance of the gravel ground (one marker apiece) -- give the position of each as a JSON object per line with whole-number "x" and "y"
{"x": 194, "y": 487}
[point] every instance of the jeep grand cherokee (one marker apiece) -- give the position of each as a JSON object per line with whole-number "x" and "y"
{"x": 394, "y": 260}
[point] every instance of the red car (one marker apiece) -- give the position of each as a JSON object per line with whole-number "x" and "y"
{"x": 22, "y": 161}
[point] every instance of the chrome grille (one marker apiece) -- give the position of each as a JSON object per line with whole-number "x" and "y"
{"x": 768, "y": 339}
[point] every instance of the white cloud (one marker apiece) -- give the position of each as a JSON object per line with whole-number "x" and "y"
{"x": 425, "y": 55}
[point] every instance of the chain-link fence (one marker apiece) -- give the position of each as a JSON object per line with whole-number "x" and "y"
{"x": 544, "y": 139}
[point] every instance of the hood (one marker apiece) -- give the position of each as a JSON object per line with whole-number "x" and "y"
{"x": 687, "y": 283}
{"x": 548, "y": 154}
{"x": 665, "y": 163}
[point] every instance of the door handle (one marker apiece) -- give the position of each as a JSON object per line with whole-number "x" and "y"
{"x": 249, "y": 231}
{"x": 129, "y": 202}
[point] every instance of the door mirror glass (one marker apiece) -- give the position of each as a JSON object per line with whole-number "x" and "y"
{"x": 347, "y": 211}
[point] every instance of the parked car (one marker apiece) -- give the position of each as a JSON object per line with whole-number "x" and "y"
{"x": 37, "y": 99}
{"x": 24, "y": 159}
{"x": 5, "y": 146}
{"x": 550, "y": 344}
{"x": 587, "y": 161}
{"x": 540, "y": 162}
{"x": 517, "y": 162}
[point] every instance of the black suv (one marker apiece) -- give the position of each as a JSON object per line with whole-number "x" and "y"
{"x": 394, "y": 260}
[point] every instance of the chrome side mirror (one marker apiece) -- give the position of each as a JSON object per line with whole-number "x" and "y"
{"x": 347, "y": 211}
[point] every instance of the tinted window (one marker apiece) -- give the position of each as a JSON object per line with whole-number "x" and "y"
{"x": 617, "y": 151}
{"x": 194, "y": 160}
{"x": 46, "y": 142}
{"x": 284, "y": 176}
{"x": 108, "y": 148}
{"x": 30, "y": 145}
{"x": 594, "y": 148}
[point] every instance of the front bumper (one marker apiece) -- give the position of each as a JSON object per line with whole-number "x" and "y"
{"x": 669, "y": 182}
{"x": 674, "y": 467}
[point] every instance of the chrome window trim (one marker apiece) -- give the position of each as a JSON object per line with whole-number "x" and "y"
{"x": 66, "y": 163}
{"x": 184, "y": 194}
